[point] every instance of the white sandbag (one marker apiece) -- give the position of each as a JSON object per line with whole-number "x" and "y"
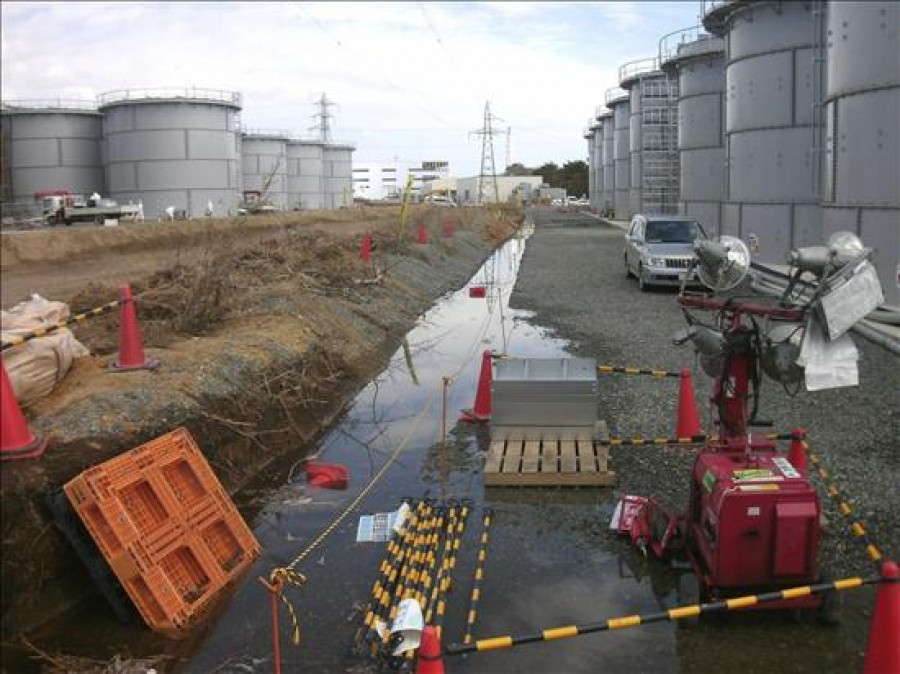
{"x": 36, "y": 366}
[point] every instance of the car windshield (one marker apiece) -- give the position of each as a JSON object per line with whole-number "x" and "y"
{"x": 678, "y": 231}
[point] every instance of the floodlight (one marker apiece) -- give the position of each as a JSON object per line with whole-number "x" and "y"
{"x": 780, "y": 351}
{"x": 723, "y": 263}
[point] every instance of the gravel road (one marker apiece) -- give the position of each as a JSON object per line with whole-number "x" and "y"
{"x": 573, "y": 278}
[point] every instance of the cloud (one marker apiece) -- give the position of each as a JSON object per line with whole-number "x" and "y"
{"x": 411, "y": 79}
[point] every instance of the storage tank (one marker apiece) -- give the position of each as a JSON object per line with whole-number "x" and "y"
{"x": 338, "y": 178}
{"x": 861, "y": 177}
{"x": 608, "y": 161}
{"x": 51, "y": 145}
{"x": 618, "y": 103}
{"x": 305, "y": 179}
{"x": 653, "y": 131}
{"x": 264, "y": 165}
{"x": 172, "y": 148}
{"x": 588, "y": 135}
{"x": 598, "y": 158}
{"x": 698, "y": 61}
{"x": 769, "y": 123}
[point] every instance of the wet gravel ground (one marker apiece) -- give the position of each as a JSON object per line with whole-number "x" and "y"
{"x": 573, "y": 277}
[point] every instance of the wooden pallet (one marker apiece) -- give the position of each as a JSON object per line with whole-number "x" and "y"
{"x": 577, "y": 462}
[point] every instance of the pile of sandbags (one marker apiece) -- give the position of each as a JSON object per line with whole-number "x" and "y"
{"x": 36, "y": 366}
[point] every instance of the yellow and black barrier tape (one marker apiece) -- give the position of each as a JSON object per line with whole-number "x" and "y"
{"x": 660, "y": 374}
{"x": 472, "y": 616}
{"x": 673, "y": 614}
{"x": 857, "y": 527}
{"x": 640, "y": 440}
{"x": 49, "y": 329}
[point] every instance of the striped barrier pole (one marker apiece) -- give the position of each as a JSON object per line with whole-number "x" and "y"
{"x": 46, "y": 330}
{"x": 687, "y": 441}
{"x": 409, "y": 572}
{"x": 445, "y": 560}
{"x": 447, "y": 581}
{"x": 472, "y": 616}
{"x": 659, "y": 374}
{"x": 673, "y": 614}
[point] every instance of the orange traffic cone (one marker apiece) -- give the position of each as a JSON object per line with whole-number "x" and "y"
{"x": 448, "y": 228}
{"x": 688, "y": 417}
{"x": 365, "y": 251}
{"x": 883, "y": 651}
{"x": 797, "y": 452}
{"x": 423, "y": 234}
{"x": 131, "y": 348}
{"x": 481, "y": 411}
{"x": 430, "y": 661}
{"x": 16, "y": 440}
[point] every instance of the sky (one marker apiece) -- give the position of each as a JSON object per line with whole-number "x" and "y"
{"x": 410, "y": 79}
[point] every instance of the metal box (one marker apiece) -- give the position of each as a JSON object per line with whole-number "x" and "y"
{"x": 545, "y": 392}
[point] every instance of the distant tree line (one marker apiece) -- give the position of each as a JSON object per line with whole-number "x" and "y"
{"x": 573, "y": 175}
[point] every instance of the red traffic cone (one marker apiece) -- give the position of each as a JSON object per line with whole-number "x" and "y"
{"x": 481, "y": 411}
{"x": 883, "y": 651}
{"x": 365, "y": 251}
{"x": 430, "y": 661}
{"x": 423, "y": 234}
{"x": 688, "y": 417}
{"x": 448, "y": 228}
{"x": 131, "y": 348}
{"x": 797, "y": 452}
{"x": 16, "y": 440}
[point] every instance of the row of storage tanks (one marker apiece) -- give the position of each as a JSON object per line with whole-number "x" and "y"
{"x": 167, "y": 148}
{"x": 779, "y": 119}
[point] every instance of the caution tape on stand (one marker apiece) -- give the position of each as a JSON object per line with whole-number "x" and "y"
{"x": 857, "y": 528}
{"x": 660, "y": 374}
{"x": 48, "y": 329}
{"x": 673, "y": 614}
{"x": 692, "y": 440}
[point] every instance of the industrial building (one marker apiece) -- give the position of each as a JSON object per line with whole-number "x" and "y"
{"x": 183, "y": 149}
{"x": 468, "y": 189}
{"x": 787, "y": 126}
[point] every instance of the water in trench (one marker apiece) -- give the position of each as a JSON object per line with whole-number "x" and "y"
{"x": 551, "y": 559}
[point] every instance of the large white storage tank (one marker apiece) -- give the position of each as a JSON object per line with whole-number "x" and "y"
{"x": 770, "y": 123}
{"x": 593, "y": 195}
{"x": 305, "y": 175}
{"x": 608, "y": 161}
{"x": 338, "y": 162}
{"x": 861, "y": 177}
{"x": 618, "y": 104}
{"x": 264, "y": 165}
{"x": 698, "y": 60}
{"x": 598, "y": 158}
{"x": 168, "y": 147}
{"x": 51, "y": 145}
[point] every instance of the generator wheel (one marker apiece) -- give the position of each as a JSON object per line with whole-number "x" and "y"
{"x": 688, "y": 594}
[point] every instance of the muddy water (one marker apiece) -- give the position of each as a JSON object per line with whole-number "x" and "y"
{"x": 551, "y": 560}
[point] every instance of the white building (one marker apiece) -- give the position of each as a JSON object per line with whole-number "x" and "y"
{"x": 387, "y": 180}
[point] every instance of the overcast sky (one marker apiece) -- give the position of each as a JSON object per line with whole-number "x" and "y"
{"x": 410, "y": 78}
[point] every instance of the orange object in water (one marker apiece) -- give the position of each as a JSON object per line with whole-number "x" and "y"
{"x": 327, "y": 475}
{"x": 167, "y": 528}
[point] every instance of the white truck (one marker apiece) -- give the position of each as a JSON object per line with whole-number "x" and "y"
{"x": 65, "y": 209}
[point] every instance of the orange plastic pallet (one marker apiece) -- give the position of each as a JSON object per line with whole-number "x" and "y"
{"x": 167, "y": 528}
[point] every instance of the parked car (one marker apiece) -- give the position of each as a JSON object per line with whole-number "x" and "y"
{"x": 659, "y": 249}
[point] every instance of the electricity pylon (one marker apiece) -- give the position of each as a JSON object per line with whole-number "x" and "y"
{"x": 323, "y": 117}
{"x": 488, "y": 174}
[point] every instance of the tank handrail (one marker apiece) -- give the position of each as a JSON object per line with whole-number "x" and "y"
{"x": 271, "y": 133}
{"x": 191, "y": 93}
{"x": 49, "y": 104}
{"x": 615, "y": 92}
{"x": 636, "y": 67}
{"x": 670, "y": 42}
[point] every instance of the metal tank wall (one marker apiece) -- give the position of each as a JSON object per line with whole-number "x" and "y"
{"x": 608, "y": 161}
{"x": 338, "y": 176}
{"x": 861, "y": 176}
{"x": 699, "y": 62}
{"x": 596, "y": 164}
{"x": 769, "y": 116}
{"x": 264, "y": 160}
{"x": 51, "y": 148}
{"x": 621, "y": 109}
{"x": 173, "y": 150}
{"x": 592, "y": 171}
{"x": 305, "y": 182}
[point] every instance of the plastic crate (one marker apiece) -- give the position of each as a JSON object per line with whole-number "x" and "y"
{"x": 167, "y": 528}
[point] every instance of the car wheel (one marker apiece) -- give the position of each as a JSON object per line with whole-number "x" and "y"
{"x": 642, "y": 284}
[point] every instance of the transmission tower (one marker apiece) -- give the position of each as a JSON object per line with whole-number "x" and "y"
{"x": 488, "y": 168}
{"x": 323, "y": 116}
{"x": 508, "y": 146}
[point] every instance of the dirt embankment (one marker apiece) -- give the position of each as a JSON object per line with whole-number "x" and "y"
{"x": 264, "y": 329}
